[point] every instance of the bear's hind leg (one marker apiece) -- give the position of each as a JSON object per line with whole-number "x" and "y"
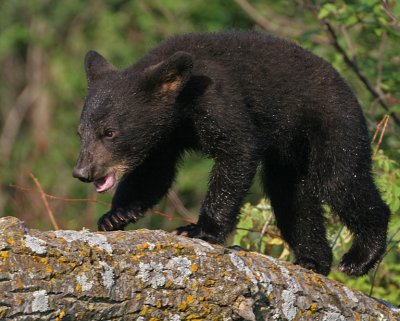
{"x": 362, "y": 210}
{"x": 299, "y": 216}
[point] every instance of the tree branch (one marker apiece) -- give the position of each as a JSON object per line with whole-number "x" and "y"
{"x": 154, "y": 275}
{"x": 388, "y": 11}
{"x": 352, "y": 64}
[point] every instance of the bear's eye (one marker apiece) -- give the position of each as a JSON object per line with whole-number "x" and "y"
{"x": 110, "y": 133}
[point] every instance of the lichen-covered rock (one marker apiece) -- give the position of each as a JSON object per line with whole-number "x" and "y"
{"x": 153, "y": 275}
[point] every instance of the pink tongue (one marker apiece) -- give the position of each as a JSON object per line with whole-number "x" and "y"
{"x": 105, "y": 183}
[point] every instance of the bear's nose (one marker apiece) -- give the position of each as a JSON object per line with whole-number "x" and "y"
{"x": 82, "y": 173}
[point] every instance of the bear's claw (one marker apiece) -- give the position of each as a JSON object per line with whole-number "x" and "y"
{"x": 115, "y": 220}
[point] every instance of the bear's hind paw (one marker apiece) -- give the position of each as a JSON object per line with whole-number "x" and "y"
{"x": 360, "y": 259}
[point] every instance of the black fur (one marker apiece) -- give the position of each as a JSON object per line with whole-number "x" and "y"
{"x": 244, "y": 99}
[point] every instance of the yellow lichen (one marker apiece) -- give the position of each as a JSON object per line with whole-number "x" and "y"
{"x": 44, "y": 260}
{"x": 206, "y": 309}
{"x": 143, "y": 246}
{"x": 3, "y": 311}
{"x": 273, "y": 268}
{"x": 178, "y": 246}
{"x": 78, "y": 288}
{"x": 72, "y": 264}
{"x": 145, "y": 311}
{"x": 190, "y": 299}
{"x": 183, "y": 306}
{"x": 271, "y": 297}
{"x": 61, "y": 316}
{"x": 62, "y": 260}
{"x": 312, "y": 309}
{"x": 154, "y": 319}
{"x": 308, "y": 279}
{"x": 193, "y": 317}
{"x": 11, "y": 241}
{"x": 318, "y": 280}
{"x": 194, "y": 268}
{"x": 169, "y": 283}
{"x": 4, "y": 256}
{"x": 49, "y": 269}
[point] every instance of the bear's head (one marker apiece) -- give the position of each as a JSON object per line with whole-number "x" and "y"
{"x": 126, "y": 114}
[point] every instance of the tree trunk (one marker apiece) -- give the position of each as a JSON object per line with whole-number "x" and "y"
{"x": 153, "y": 275}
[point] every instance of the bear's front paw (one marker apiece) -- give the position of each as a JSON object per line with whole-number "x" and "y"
{"x": 195, "y": 231}
{"x": 117, "y": 219}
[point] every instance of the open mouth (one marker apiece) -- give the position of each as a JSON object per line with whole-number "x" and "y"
{"x": 105, "y": 183}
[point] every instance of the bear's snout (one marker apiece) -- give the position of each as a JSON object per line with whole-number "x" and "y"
{"x": 82, "y": 173}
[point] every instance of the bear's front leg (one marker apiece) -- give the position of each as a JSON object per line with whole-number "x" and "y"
{"x": 140, "y": 190}
{"x": 229, "y": 182}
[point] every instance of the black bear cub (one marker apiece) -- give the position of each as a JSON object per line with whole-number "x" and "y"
{"x": 244, "y": 99}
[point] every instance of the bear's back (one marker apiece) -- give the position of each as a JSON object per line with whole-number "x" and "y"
{"x": 255, "y": 61}
{"x": 232, "y": 49}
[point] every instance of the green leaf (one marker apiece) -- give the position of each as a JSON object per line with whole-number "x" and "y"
{"x": 395, "y": 108}
{"x": 326, "y": 11}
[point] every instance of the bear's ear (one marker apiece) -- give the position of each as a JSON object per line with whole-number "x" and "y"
{"x": 95, "y": 65}
{"x": 169, "y": 76}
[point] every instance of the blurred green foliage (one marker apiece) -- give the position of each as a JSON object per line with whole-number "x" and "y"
{"x": 42, "y": 87}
